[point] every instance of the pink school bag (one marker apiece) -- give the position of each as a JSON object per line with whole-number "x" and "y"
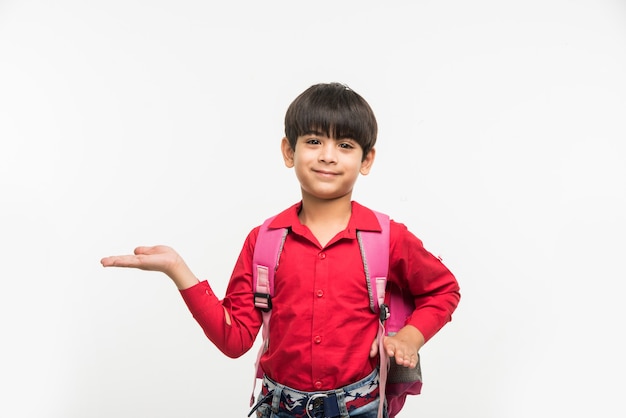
{"x": 385, "y": 299}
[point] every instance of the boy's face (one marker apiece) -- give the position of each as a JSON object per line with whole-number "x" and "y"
{"x": 326, "y": 168}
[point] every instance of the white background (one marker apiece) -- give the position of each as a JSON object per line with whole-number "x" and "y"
{"x": 125, "y": 123}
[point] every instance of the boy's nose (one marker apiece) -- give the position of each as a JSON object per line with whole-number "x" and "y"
{"x": 328, "y": 153}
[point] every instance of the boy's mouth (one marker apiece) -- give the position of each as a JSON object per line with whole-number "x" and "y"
{"x": 325, "y": 173}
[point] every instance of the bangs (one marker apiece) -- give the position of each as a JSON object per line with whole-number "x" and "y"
{"x": 333, "y": 110}
{"x": 338, "y": 123}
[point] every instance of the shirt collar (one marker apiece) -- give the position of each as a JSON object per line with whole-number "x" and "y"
{"x": 362, "y": 219}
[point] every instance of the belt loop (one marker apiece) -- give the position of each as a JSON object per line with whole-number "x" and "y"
{"x": 278, "y": 391}
{"x": 341, "y": 403}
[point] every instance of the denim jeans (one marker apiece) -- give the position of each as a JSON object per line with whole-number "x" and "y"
{"x": 359, "y": 400}
{"x": 368, "y": 411}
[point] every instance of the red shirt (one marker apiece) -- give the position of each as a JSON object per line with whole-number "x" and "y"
{"x": 321, "y": 326}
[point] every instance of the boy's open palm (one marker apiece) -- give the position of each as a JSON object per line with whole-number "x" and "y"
{"x": 157, "y": 258}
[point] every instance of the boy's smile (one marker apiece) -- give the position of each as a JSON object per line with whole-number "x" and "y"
{"x": 322, "y": 171}
{"x": 325, "y": 173}
{"x": 327, "y": 168}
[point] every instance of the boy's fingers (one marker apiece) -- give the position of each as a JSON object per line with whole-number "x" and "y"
{"x": 406, "y": 358}
{"x": 388, "y": 346}
{"x": 154, "y": 249}
{"x": 374, "y": 348}
{"x": 120, "y": 261}
{"x": 127, "y": 260}
{"x": 144, "y": 250}
{"x": 111, "y": 261}
{"x": 400, "y": 354}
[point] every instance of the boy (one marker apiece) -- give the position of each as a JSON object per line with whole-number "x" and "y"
{"x": 322, "y": 333}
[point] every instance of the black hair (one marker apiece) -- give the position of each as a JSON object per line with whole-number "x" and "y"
{"x": 332, "y": 109}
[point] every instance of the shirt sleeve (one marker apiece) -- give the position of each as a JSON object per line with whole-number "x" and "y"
{"x": 208, "y": 310}
{"x": 434, "y": 288}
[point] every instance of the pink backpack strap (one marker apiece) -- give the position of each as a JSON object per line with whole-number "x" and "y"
{"x": 265, "y": 262}
{"x": 267, "y": 249}
{"x": 374, "y": 248}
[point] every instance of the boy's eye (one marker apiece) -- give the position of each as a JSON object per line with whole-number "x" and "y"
{"x": 313, "y": 141}
{"x": 346, "y": 145}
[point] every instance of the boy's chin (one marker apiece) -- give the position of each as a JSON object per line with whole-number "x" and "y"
{"x": 330, "y": 197}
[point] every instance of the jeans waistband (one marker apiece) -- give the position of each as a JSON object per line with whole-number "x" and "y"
{"x": 322, "y": 404}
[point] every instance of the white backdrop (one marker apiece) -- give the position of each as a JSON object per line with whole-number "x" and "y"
{"x": 125, "y": 123}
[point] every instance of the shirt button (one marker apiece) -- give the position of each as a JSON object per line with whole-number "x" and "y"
{"x": 318, "y": 385}
{"x": 317, "y": 339}
{"x": 322, "y": 256}
{"x": 320, "y": 293}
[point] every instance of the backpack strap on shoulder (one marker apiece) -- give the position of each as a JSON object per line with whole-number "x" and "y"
{"x": 374, "y": 248}
{"x": 267, "y": 251}
{"x": 269, "y": 245}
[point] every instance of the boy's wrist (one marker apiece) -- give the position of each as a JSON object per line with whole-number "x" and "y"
{"x": 182, "y": 276}
{"x": 412, "y": 335}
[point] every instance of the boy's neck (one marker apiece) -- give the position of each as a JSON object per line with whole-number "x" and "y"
{"x": 326, "y": 218}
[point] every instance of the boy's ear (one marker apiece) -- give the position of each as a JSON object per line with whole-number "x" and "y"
{"x": 366, "y": 164}
{"x": 287, "y": 152}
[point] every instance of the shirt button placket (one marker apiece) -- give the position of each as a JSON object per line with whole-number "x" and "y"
{"x": 319, "y": 315}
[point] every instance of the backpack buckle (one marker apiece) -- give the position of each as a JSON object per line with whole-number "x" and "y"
{"x": 384, "y": 312}
{"x": 263, "y": 301}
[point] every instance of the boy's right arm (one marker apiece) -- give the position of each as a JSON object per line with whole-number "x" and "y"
{"x": 159, "y": 258}
{"x": 232, "y": 323}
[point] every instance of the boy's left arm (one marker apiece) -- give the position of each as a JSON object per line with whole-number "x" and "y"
{"x": 435, "y": 293}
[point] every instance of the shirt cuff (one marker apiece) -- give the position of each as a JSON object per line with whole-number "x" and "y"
{"x": 197, "y": 294}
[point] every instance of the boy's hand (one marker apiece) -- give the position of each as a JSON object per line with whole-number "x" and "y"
{"x": 403, "y": 346}
{"x": 158, "y": 258}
